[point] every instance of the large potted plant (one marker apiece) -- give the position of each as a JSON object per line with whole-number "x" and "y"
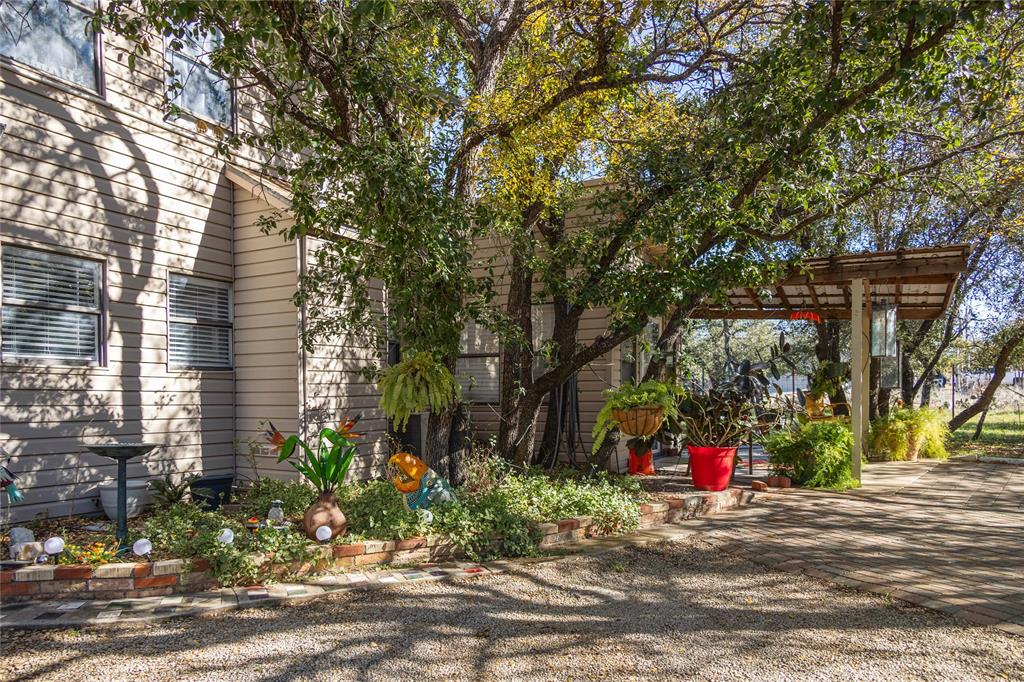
{"x": 715, "y": 420}
{"x": 638, "y": 411}
{"x": 325, "y": 467}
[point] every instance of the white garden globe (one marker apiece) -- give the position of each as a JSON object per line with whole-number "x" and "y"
{"x": 323, "y": 533}
{"x": 226, "y": 536}
{"x": 142, "y": 547}
{"x": 54, "y": 545}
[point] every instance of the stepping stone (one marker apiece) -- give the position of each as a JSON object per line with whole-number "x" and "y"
{"x": 71, "y": 605}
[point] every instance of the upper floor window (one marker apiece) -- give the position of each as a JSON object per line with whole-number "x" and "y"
{"x": 199, "y": 323}
{"x": 195, "y": 86}
{"x": 52, "y": 306}
{"x": 54, "y": 36}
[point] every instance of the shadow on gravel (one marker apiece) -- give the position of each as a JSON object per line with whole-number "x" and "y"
{"x": 648, "y": 599}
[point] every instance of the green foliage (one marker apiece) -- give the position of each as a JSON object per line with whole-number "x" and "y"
{"x": 374, "y": 510}
{"x": 715, "y": 417}
{"x": 184, "y": 531}
{"x": 907, "y": 433}
{"x": 327, "y": 466}
{"x": 166, "y": 492}
{"x": 296, "y": 496}
{"x": 512, "y": 509}
{"x": 416, "y": 384}
{"x": 647, "y": 394}
{"x": 817, "y": 455}
{"x": 827, "y": 378}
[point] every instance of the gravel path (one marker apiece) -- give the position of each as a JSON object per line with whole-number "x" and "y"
{"x": 668, "y": 611}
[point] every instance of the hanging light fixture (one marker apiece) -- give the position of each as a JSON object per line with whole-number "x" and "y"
{"x": 883, "y": 330}
{"x": 805, "y": 315}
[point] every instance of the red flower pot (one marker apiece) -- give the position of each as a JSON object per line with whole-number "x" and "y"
{"x": 711, "y": 468}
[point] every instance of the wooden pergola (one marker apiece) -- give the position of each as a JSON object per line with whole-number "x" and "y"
{"x": 920, "y": 282}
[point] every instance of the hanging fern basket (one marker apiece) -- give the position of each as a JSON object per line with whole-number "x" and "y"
{"x": 640, "y": 422}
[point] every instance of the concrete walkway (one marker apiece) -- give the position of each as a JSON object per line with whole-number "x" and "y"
{"x": 944, "y": 536}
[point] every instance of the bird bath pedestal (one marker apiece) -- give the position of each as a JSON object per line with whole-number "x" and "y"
{"x": 121, "y": 453}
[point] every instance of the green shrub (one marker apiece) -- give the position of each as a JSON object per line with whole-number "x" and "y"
{"x": 184, "y": 531}
{"x": 512, "y": 509}
{"x": 908, "y": 433}
{"x": 374, "y": 510}
{"x": 817, "y": 455}
{"x": 296, "y": 495}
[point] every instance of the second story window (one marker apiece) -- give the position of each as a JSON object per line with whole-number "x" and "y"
{"x": 54, "y": 36}
{"x": 199, "y": 323}
{"x": 51, "y": 307}
{"x": 196, "y": 87}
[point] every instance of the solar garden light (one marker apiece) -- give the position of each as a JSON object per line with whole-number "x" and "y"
{"x": 53, "y": 547}
{"x": 226, "y": 536}
{"x": 143, "y": 548}
{"x": 323, "y": 533}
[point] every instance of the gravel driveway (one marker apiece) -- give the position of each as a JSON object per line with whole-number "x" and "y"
{"x": 668, "y": 611}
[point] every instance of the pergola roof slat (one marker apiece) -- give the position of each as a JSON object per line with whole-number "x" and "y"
{"x": 920, "y": 281}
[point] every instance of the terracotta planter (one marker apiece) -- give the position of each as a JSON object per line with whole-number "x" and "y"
{"x": 773, "y": 481}
{"x": 640, "y": 422}
{"x": 711, "y": 467}
{"x": 325, "y": 512}
{"x": 784, "y": 482}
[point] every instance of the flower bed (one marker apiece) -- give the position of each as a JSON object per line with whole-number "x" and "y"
{"x": 164, "y": 577}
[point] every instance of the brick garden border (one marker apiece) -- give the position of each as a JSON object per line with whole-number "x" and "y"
{"x": 162, "y": 578}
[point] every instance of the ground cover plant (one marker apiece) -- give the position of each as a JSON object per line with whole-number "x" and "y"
{"x": 814, "y": 455}
{"x": 907, "y": 433}
{"x": 499, "y": 501}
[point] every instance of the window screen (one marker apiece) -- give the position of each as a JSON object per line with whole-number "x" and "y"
{"x": 203, "y": 91}
{"x": 51, "y": 306}
{"x": 199, "y": 323}
{"x": 53, "y": 36}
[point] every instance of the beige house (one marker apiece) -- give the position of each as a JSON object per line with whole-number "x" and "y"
{"x": 140, "y": 300}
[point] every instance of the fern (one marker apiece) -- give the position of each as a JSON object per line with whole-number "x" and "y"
{"x": 414, "y": 385}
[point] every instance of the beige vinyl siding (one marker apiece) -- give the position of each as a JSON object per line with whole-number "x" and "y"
{"x": 335, "y": 388}
{"x": 108, "y": 179}
{"x": 266, "y": 333}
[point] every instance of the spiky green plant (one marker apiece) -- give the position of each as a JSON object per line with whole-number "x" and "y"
{"x": 414, "y": 385}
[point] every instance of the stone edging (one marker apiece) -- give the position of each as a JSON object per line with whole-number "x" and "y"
{"x": 164, "y": 578}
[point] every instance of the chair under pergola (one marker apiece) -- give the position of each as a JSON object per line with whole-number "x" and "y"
{"x": 920, "y": 282}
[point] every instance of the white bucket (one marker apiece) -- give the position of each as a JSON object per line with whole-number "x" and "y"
{"x": 135, "y": 499}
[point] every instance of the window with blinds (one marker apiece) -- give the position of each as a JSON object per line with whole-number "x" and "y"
{"x": 477, "y": 367}
{"x": 51, "y": 307}
{"x": 199, "y": 322}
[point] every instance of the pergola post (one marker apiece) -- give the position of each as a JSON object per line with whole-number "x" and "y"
{"x": 860, "y": 368}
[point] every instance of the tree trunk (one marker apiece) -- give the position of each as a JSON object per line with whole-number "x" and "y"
{"x": 826, "y": 349}
{"x": 1013, "y": 340}
{"x": 926, "y": 391}
{"x": 436, "y": 453}
{"x": 516, "y": 358}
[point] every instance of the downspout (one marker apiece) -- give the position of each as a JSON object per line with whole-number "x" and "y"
{"x": 302, "y": 343}
{"x": 234, "y": 372}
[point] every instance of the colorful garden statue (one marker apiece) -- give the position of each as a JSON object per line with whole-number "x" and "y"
{"x": 420, "y": 486}
{"x": 7, "y": 479}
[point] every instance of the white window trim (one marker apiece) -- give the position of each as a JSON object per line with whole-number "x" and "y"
{"x": 100, "y": 312}
{"x": 229, "y": 325}
{"x": 99, "y": 72}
